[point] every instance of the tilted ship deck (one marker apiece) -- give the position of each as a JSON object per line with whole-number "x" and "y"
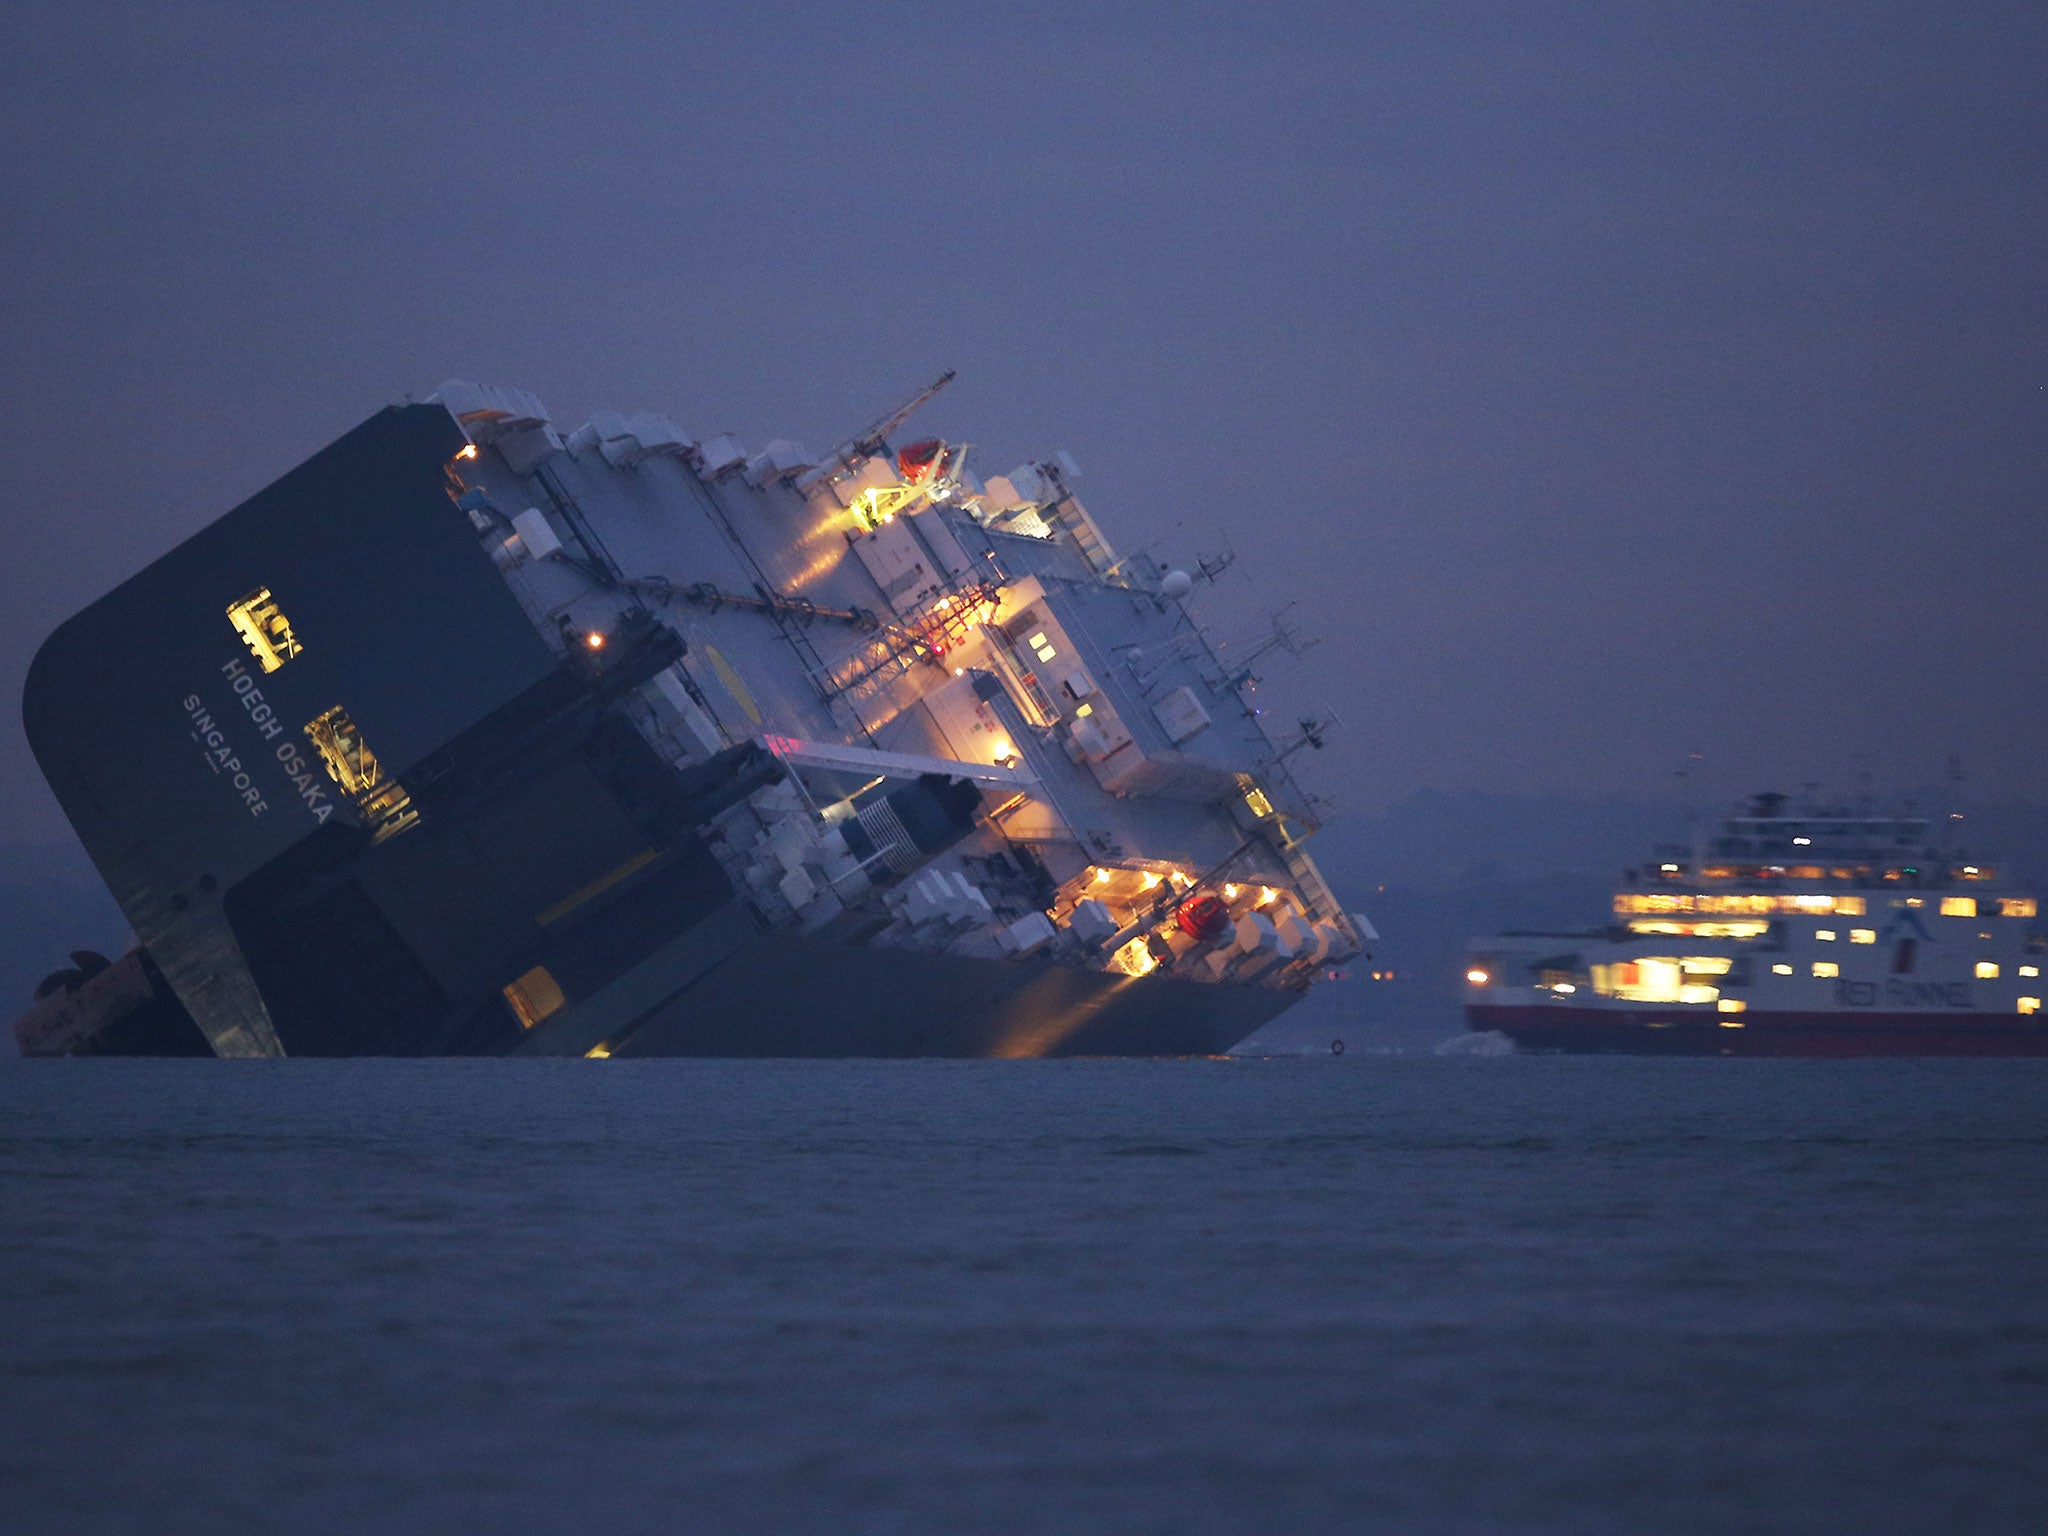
{"x": 469, "y": 736}
{"x": 1819, "y": 932}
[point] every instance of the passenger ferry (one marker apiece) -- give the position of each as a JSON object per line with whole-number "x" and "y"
{"x": 1816, "y": 933}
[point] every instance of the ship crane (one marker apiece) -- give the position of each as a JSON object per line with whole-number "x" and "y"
{"x": 862, "y": 446}
{"x": 876, "y": 438}
{"x": 930, "y": 471}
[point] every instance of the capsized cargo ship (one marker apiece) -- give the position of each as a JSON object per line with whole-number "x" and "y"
{"x": 475, "y": 736}
{"x": 1823, "y": 931}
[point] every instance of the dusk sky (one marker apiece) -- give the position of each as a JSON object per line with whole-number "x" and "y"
{"x": 1603, "y": 382}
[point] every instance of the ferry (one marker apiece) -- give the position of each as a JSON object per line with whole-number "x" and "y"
{"x": 1785, "y": 932}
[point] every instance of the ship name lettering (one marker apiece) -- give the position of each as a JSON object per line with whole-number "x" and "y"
{"x": 301, "y": 774}
{"x": 267, "y": 723}
{"x": 1928, "y": 994}
{"x": 219, "y": 757}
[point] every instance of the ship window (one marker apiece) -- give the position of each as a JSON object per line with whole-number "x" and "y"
{"x": 2030, "y": 970}
{"x": 1781, "y": 970}
{"x": 1706, "y": 965}
{"x": 1825, "y": 935}
{"x": 2016, "y": 906}
{"x": 1084, "y": 711}
{"x": 1826, "y": 968}
{"x": 1862, "y": 935}
{"x": 384, "y": 804}
{"x": 1987, "y": 970}
{"x": 1732, "y": 1005}
{"x": 1958, "y": 906}
{"x": 2030, "y": 1005}
{"x": 534, "y": 996}
{"x": 264, "y": 629}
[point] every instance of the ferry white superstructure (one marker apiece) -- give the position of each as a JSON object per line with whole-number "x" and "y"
{"x": 1817, "y": 932}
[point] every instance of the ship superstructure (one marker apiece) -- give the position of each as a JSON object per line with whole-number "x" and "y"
{"x": 1785, "y": 932}
{"x": 475, "y": 735}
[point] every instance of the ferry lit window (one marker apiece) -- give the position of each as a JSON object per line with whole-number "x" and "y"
{"x": 2016, "y": 906}
{"x": 1987, "y": 970}
{"x": 1862, "y": 935}
{"x": 1732, "y": 1005}
{"x": 264, "y": 629}
{"x": 1084, "y": 711}
{"x": 383, "y": 802}
{"x": 2030, "y": 1005}
{"x": 1825, "y": 935}
{"x": 1850, "y": 906}
{"x": 1256, "y": 801}
{"x": 1041, "y": 647}
{"x": 2030, "y": 970}
{"x": 1958, "y": 906}
{"x": 1781, "y": 970}
{"x": 1706, "y": 965}
{"x": 1826, "y": 968}
{"x": 534, "y": 996}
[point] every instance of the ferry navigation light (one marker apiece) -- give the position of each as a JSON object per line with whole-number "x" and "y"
{"x": 1477, "y": 977}
{"x": 1802, "y": 842}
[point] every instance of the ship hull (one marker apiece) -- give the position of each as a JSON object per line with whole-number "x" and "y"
{"x": 729, "y": 989}
{"x": 1671, "y": 1032}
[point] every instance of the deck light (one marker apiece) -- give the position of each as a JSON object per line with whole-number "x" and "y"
{"x": 594, "y": 640}
{"x": 1477, "y": 977}
{"x": 1230, "y": 892}
{"x": 468, "y": 451}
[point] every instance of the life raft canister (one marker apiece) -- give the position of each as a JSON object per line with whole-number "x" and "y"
{"x": 916, "y": 463}
{"x": 1202, "y": 917}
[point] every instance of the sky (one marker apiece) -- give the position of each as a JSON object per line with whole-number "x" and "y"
{"x": 1615, "y": 391}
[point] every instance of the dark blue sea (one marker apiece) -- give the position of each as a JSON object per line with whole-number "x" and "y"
{"x": 1404, "y": 1293}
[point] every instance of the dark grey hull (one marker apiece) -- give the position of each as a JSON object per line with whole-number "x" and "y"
{"x": 727, "y": 989}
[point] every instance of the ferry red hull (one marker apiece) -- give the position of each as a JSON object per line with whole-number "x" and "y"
{"x": 1668, "y": 1032}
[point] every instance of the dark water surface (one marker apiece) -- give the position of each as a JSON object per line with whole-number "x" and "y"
{"x": 1391, "y": 1294}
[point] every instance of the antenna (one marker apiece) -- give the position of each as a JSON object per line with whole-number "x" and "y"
{"x": 1311, "y": 730}
{"x": 1284, "y": 637}
{"x": 1953, "y": 823}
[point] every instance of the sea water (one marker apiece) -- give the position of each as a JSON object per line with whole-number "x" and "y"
{"x": 1404, "y": 1293}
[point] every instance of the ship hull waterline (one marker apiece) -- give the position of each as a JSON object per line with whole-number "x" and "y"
{"x": 1669, "y": 1032}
